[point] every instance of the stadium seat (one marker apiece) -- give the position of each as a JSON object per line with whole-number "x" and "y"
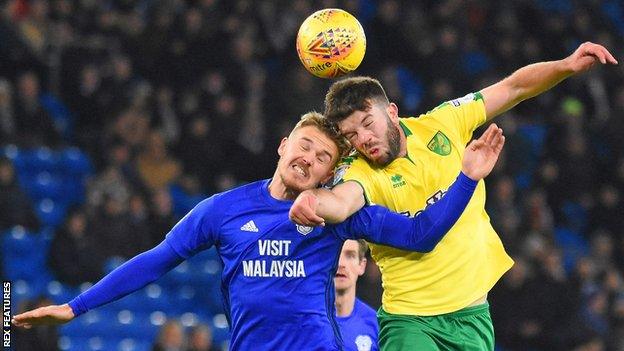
{"x": 220, "y": 328}
{"x": 75, "y": 163}
{"x": 37, "y": 160}
{"x": 21, "y": 291}
{"x": 60, "y": 293}
{"x": 50, "y": 213}
{"x": 44, "y": 185}
{"x": 17, "y": 242}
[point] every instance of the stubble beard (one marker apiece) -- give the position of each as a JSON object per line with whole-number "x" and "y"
{"x": 394, "y": 145}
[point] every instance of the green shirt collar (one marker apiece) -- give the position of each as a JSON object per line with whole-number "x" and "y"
{"x": 405, "y": 129}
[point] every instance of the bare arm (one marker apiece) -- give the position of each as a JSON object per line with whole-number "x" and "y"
{"x": 314, "y": 207}
{"x": 534, "y": 79}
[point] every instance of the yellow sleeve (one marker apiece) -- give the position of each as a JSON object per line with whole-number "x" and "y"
{"x": 354, "y": 169}
{"x": 462, "y": 115}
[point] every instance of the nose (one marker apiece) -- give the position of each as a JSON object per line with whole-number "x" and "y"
{"x": 308, "y": 158}
{"x": 363, "y": 139}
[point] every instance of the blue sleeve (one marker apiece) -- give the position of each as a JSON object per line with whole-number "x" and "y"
{"x": 127, "y": 278}
{"x": 193, "y": 233}
{"x": 422, "y": 233}
{"x": 198, "y": 230}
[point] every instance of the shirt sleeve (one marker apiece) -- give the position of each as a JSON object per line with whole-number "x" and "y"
{"x": 421, "y": 233}
{"x": 193, "y": 233}
{"x": 198, "y": 230}
{"x": 127, "y": 278}
{"x": 350, "y": 172}
{"x": 462, "y": 115}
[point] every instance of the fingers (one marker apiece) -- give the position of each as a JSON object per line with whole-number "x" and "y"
{"x": 600, "y": 52}
{"x": 476, "y": 145}
{"x": 492, "y": 135}
{"x": 499, "y": 146}
{"x": 305, "y": 216}
{"x": 488, "y": 132}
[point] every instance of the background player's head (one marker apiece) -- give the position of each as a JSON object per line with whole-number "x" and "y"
{"x": 351, "y": 265}
{"x": 310, "y": 153}
{"x": 361, "y": 110}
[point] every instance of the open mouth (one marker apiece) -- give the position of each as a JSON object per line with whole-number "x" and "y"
{"x": 300, "y": 170}
{"x": 341, "y": 275}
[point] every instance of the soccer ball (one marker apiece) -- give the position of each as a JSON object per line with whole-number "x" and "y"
{"x": 331, "y": 43}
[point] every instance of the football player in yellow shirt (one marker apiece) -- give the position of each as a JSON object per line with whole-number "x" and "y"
{"x": 436, "y": 300}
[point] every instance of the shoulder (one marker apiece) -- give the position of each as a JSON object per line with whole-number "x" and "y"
{"x": 352, "y": 164}
{"x": 451, "y": 105}
{"x": 365, "y": 310}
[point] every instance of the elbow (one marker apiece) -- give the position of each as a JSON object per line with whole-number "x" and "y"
{"x": 427, "y": 248}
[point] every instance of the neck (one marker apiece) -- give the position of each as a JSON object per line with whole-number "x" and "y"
{"x": 403, "y": 147}
{"x": 279, "y": 190}
{"x": 345, "y": 301}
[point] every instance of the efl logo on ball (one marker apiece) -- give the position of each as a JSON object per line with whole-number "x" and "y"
{"x": 331, "y": 43}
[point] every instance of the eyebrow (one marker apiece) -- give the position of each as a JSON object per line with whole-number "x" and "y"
{"x": 323, "y": 151}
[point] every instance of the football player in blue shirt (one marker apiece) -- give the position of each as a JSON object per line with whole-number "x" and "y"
{"x": 357, "y": 321}
{"x": 277, "y": 278}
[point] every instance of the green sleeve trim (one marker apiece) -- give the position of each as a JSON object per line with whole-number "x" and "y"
{"x": 478, "y": 96}
{"x": 405, "y": 129}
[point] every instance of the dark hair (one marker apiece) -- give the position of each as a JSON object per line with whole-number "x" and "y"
{"x": 352, "y": 94}
{"x": 362, "y": 248}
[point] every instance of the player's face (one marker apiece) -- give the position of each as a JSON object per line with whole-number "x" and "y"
{"x": 350, "y": 267}
{"x": 374, "y": 133}
{"x": 307, "y": 159}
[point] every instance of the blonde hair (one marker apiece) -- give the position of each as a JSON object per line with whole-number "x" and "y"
{"x": 319, "y": 121}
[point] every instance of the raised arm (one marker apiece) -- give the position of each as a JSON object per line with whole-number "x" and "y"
{"x": 127, "y": 278}
{"x": 534, "y": 79}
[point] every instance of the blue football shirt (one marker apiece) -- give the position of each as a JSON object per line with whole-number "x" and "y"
{"x": 277, "y": 278}
{"x": 360, "y": 329}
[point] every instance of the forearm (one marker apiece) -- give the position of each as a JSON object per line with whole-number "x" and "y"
{"x": 329, "y": 206}
{"x": 523, "y": 84}
{"x": 336, "y": 205}
{"x": 129, "y": 277}
{"x": 537, "y": 78}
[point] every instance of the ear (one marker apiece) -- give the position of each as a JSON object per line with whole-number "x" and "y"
{"x": 282, "y": 146}
{"x": 361, "y": 267}
{"x": 393, "y": 111}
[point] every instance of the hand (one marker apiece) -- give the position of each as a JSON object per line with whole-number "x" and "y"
{"x": 587, "y": 55}
{"x": 49, "y": 315}
{"x": 481, "y": 155}
{"x": 303, "y": 210}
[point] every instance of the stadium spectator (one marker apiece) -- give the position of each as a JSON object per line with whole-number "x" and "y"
{"x": 15, "y": 206}
{"x": 171, "y": 337}
{"x": 75, "y": 256}
{"x": 200, "y": 339}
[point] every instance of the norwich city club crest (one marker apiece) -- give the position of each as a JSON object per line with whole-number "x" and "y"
{"x": 440, "y": 144}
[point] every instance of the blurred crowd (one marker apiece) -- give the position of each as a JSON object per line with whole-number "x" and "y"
{"x": 197, "y": 94}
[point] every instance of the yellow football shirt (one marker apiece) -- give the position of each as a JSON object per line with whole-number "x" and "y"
{"x": 470, "y": 259}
